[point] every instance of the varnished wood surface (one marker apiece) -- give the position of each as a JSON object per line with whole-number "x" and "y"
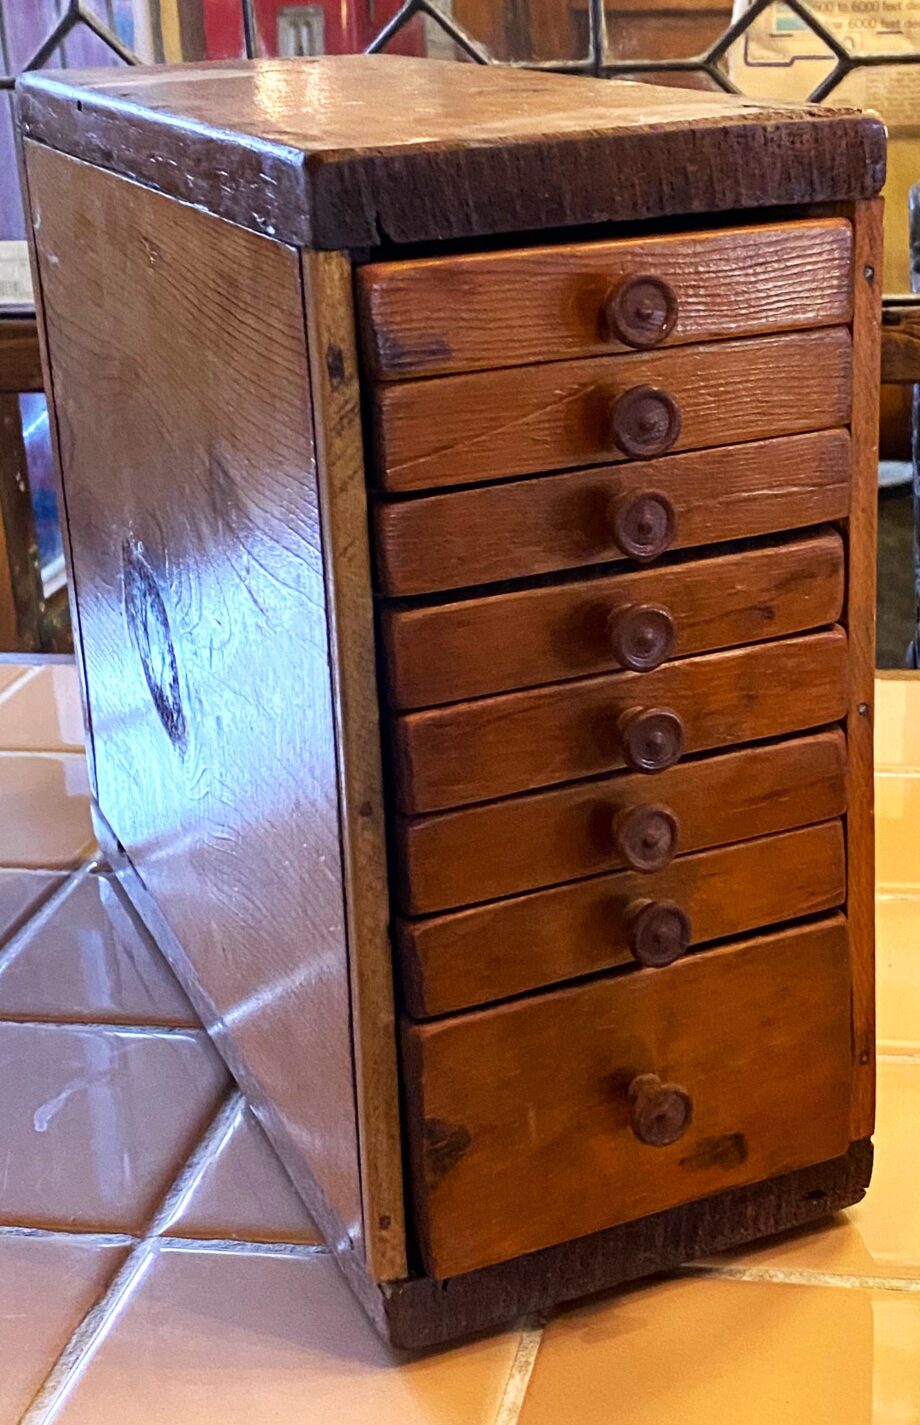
{"x": 454, "y": 430}
{"x": 480, "y": 310}
{"x": 197, "y": 553}
{"x": 518, "y": 1114}
{"x": 352, "y": 151}
{"x": 20, "y": 358}
{"x": 454, "y": 962}
{"x": 473, "y": 647}
{"x": 860, "y": 616}
{"x": 544, "y": 838}
{"x": 343, "y": 512}
{"x": 527, "y": 527}
{"x": 493, "y": 747}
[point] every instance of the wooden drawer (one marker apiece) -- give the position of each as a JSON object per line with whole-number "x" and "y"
{"x": 499, "y": 849}
{"x": 494, "y": 747}
{"x": 454, "y": 962}
{"x": 640, "y": 620}
{"x": 454, "y": 430}
{"x": 640, "y": 508}
{"x": 480, "y": 310}
{"x": 521, "y": 1127}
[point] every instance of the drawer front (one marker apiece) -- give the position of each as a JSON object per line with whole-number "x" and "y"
{"x": 635, "y": 510}
{"x": 535, "y": 1121}
{"x": 495, "y": 747}
{"x": 453, "y": 962}
{"x": 454, "y": 430}
{"x": 480, "y": 853}
{"x": 479, "y": 310}
{"x": 637, "y": 620}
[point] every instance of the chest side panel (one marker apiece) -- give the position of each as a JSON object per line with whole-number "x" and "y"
{"x": 182, "y": 394}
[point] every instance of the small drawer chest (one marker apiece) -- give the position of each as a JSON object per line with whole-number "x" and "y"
{"x": 469, "y": 480}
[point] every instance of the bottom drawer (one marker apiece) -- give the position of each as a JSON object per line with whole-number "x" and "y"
{"x": 542, "y": 1119}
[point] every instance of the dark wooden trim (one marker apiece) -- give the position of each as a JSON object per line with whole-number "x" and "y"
{"x": 471, "y": 151}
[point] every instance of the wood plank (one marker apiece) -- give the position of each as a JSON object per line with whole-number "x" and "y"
{"x": 494, "y": 747}
{"x": 519, "y": 1115}
{"x": 486, "y": 425}
{"x": 421, "y": 1313}
{"x": 454, "y": 962}
{"x": 860, "y": 618}
{"x": 204, "y": 620}
{"x": 505, "y": 847}
{"x": 528, "y": 527}
{"x": 474, "y": 311}
{"x": 20, "y": 359}
{"x": 447, "y": 652}
{"x": 352, "y": 151}
{"x": 346, "y": 558}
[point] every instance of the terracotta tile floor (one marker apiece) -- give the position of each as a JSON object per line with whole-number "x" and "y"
{"x": 157, "y": 1268}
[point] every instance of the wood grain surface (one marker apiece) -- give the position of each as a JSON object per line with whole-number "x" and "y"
{"x": 860, "y": 617}
{"x": 528, "y": 527}
{"x": 490, "y": 952}
{"x": 454, "y": 430}
{"x": 357, "y": 150}
{"x": 518, "y": 1114}
{"x": 447, "y": 652}
{"x": 197, "y": 552}
{"x": 493, "y": 747}
{"x": 423, "y": 1312}
{"x": 544, "y": 838}
{"x": 346, "y": 561}
{"x": 479, "y": 310}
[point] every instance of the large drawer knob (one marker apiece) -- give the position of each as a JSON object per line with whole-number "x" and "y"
{"x": 642, "y": 636}
{"x": 659, "y": 1113}
{"x": 643, "y": 523}
{"x": 651, "y": 739}
{"x": 659, "y": 932}
{"x": 646, "y": 837}
{"x": 641, "y": 311}
{"x": 644, "y": 421}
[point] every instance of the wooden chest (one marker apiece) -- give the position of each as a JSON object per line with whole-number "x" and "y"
{"x": 470, "y": 485}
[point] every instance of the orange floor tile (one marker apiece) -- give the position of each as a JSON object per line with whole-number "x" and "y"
{"x": 157, "y": 1267}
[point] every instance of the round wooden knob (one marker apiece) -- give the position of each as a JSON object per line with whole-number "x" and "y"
{"x": 644, "y": 421}
{"x": 643, "y": 523}
{"x": 642, "y": 636}
{"x": 660, "y": 1113}
{"x": 659, "y": 932}
{"x": 651, "y": 739}
{"x": 641, "y": 311}
{"x": 646, "y": 837}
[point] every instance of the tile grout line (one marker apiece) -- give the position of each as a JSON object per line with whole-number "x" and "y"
{"x": 803, "y": 1276}
{"x": 92, "y": 1327}
{"x": 42, "y": 912}
{"x": 525, "y": 1358}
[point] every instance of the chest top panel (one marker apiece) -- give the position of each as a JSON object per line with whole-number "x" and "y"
{"x": 362, "y": 151}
